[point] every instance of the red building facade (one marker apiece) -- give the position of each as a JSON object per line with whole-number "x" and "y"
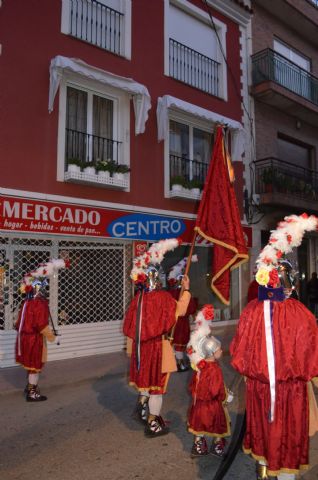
{"x": 107, "y": 118}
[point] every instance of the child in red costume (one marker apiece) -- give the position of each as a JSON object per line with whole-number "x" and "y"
{"x": 207, "y": 415}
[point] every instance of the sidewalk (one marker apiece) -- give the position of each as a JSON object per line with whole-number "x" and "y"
{"x": 75, "y": 370}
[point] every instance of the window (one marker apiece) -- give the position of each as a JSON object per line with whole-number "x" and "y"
{"x": 103, "y": 23}
{"x": 192, "y": 51}
{"x": 90, "y": 126}
{"x": 292, "y": 69}
{"x": 93, "y": 130}
{"x": 190, "y": 150}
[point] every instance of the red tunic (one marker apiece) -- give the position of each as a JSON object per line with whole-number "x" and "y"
{"x": 283, "y": 443}
{"x": 181, "y": 335}
{"x": 36, "y": 318}
{"x": 207, "y": 415}
{"x": 158, "y": 317}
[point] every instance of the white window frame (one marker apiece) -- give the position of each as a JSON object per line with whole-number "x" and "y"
{"x": 121, "y": 117}
{"x": 124, "y": 8}
{"x": 192, "y": 122}
{"x": 204, "y": 17}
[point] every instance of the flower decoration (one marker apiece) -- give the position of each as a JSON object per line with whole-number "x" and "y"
{"x": 201, "y": 364}
{"x": 202, "y": 328}
{"x": 288, "y": 235}
{"x": 41, "y": 273}
{"x": 179, "y": 269}
{"x": 153, "y": 256}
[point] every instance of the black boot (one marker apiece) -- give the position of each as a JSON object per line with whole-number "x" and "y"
{"x": 141, "y": 411}
{"x": 34, "y": 394}
{"x": 182, "y": 366}
{"x": 199, "y": 448}
{"x": 156, "y": 427}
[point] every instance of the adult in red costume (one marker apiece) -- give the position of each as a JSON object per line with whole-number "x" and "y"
{"x": 282, "y": 444}
{"x": 145, "y": 326}
{"x": 33, "y": 331}
{"x": 181, "y": 333}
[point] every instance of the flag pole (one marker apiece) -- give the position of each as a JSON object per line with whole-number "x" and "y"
{"x": 171, "y": 334}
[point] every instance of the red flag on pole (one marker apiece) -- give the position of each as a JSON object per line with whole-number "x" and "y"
{"x": 219, "y": 222}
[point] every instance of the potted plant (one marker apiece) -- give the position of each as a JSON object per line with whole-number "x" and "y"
{"x": 177, "y": 183}
{"x": 120, "y": 170}
{"x": 104, "y": 168}
{"x": 268, "y": 178}
{"x": 89, "y": 168}
{"x": 195, "y": 185}
{"x": 74, "y": 165}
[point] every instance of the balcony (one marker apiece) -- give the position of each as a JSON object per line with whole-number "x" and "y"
{"x": 187, "y": 177}
{"x": 95, "y": 23}
{"x": 193, "y": 68}
{"x": 284, "y": 184}
{"x": 280, "y": 83}
{"x": 91, "y": 159}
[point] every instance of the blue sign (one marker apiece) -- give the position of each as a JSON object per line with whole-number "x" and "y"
{"x": 140, "y": 226}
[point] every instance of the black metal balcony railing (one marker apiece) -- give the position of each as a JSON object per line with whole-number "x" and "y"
{"x": 193, "y": 68}
{"x": 97, "y": 24}
{"x": 270, "y": 65}
{"x": 88, "y": 149}
{"x": 313, "y": 2}
{"x": 190, "y": 172}
{"x": 277, "y": 176}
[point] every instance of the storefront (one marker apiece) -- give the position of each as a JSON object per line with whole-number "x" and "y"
{"x": 88, "y": 300}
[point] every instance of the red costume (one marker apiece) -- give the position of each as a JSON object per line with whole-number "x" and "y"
{"x": 30, "y": 343}
{"x": 158, "y": 315}
{"x": 283, "y": 443}
{"x": 207, "y": 415}
{"x": 182, "y": 330}
{"x": 252, "y": 292}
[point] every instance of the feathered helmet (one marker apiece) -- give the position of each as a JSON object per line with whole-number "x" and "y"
{"x": 202, "y": 343}
{"x": 36, "y": 280}
{"x": 176, "y": 273}
{"x": 145, "y": 271}
{"x": 273, "y": 270}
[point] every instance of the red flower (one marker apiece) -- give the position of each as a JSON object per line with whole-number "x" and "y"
{"x": 272, "y": 240}
{"x": 141, "y": 278}
{"x": 201, "y": 364}
{"x": 28, "y": 288}
{"x": 304, "y": 215}
{"x": 273, "y": 278}
{"x": 208, "y": 312}
{"x": 279, "y": 253}
{"x": 190, "y": 350}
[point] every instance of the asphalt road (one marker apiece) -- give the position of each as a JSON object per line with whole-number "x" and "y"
{"x": 85, "y": 432}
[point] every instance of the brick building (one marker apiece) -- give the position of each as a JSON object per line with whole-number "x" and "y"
{"x": 285, "y": 92}
{"x": 104, "y": 106}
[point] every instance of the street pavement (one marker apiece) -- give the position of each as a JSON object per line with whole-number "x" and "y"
{"x": 85, "y": 430}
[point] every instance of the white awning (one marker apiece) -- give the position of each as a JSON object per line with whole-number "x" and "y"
{"x": 141, "y": 97}
{"x": 167, "y": 102}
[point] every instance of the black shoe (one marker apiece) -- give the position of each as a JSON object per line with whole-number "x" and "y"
{"x": 141, "y": 412}
{"x": 217, "y": 447}
{"x": 182, "y": 366}
{"x": 34, "y": 395}
{"x": 199, "y": 448}
{"x": 156, "y": 428}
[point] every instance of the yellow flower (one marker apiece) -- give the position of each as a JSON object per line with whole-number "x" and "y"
{"x": 22, "y": 288}
{"x": 262, "y": 276}
{"x": 134, "y": 277}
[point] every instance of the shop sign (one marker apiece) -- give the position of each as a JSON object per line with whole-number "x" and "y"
{"x": 145, "y": 226}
